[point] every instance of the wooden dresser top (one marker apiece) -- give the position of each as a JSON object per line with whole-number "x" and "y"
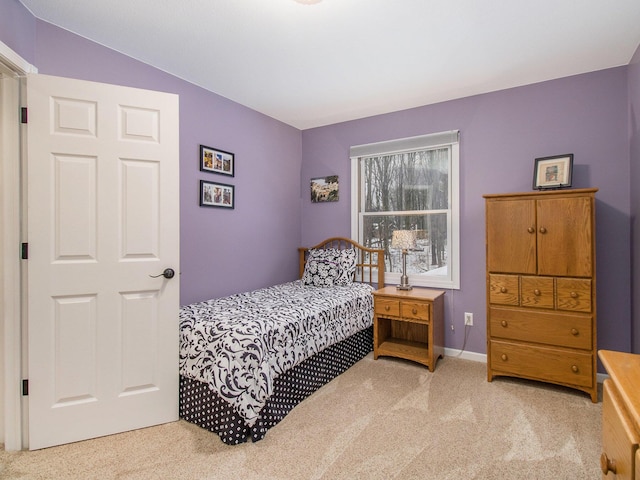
{"x": 624, "y": 370}
{"x": 416, "y": 293}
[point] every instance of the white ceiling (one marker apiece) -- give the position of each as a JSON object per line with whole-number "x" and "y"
{"x": 337, "y": 60}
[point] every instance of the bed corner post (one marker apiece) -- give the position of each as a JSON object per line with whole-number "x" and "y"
{"x": 301, "y": 252}
{"x": 381, "y": 267}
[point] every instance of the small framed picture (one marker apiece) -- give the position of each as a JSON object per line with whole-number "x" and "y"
{"x": 217, "y": 195}
{"x": 325, "y": 189}
{"x": 216, "y": 161}
{"x": 553, "y": 172}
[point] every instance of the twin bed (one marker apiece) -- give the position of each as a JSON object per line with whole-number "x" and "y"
{"x": 248, "y": 359}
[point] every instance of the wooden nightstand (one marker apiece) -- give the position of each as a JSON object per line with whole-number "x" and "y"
{"x": 409, "y": 324}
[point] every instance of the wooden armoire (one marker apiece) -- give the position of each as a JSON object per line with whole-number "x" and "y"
{"x": 541, "y": 287}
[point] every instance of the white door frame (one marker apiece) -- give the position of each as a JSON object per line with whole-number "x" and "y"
{"x": 10, "y": 275}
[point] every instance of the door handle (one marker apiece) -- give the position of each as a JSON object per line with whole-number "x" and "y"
{"x": 168, "y": 273}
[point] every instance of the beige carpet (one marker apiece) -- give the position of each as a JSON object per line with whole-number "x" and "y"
{"x": 382, "y": 419}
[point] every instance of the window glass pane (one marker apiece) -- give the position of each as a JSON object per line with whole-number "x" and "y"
{"x": 430, "y": 256}
{"x": 407, "y": 181}
{"x": 411, "y": 184}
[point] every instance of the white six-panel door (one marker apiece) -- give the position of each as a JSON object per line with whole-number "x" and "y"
{"x": 103, "y": 218}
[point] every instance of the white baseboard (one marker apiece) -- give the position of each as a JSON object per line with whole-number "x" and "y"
{"x": 476, "y": 357}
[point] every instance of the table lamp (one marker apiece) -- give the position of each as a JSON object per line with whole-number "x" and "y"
{"x": 404, "y": 239}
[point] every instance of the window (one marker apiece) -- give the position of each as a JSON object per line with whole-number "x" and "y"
{"x": 410, "y": 184}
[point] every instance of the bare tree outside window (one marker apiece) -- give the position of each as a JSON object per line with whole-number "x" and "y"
{"x": 410, "y": 183}
{"x": 408, "y": 191}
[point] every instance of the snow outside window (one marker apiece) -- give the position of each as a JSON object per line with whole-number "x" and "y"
{"x": 410, "y": 184}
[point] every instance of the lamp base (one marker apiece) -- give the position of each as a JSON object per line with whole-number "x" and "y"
{"x": 404, "y": 278}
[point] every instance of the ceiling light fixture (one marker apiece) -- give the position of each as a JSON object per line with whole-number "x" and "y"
{"x": 307, "y": 2}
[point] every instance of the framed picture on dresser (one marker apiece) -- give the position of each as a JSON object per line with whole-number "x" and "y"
{"x": 553, "y": 172}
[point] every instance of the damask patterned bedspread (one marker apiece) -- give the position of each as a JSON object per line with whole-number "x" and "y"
{"x": 241, "y": 343}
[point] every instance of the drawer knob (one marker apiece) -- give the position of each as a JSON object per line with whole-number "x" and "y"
{"x": 574, "y": 332}
{"x": 543, "y": 230}
{"x": 536, "y": 292}
{"x": 503, "y": 289}
{"x": 504, "y": 357}
{"x": 387, "y": 308}
{"x": 607, "y": 464}
{"x": 504, "y": 323}
{"x": 414, "y": 311}
{"x": 574, "y": 368}
{"x": 573, "y": 295}
{"x": 531, "y": 230}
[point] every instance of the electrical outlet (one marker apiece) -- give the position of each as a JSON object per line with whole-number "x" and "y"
{"x": 468, "y": 319}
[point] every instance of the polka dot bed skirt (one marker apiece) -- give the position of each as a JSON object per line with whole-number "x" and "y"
{"x": 200, "y": 405}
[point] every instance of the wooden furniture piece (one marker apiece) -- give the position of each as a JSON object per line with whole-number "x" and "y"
{"x": 409, "y": 324}
{"x": 620, "y": 457}
{"x": 541, "y": 287}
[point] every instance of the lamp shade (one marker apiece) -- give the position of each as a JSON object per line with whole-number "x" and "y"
{"x": 404, "y": 239}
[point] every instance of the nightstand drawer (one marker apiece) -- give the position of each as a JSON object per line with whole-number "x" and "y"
{"x": 384, "y": 306}
{"x": 504, "y": 289}
{"x": 573, "y": 294}
{"x": 416, "y": 311}
{"x": 536, "y": 362}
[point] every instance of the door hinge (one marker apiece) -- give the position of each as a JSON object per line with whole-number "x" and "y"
{"x": 24, "y": 253}
{"x": 23, "y": 114}
{"x": 25, "y": 387}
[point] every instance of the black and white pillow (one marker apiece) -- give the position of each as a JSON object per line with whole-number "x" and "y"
{"x": 330, "y": 267}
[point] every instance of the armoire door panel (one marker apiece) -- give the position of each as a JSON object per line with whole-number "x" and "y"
{"x": 511, "y": 244}
{"x": 565, "y": 240}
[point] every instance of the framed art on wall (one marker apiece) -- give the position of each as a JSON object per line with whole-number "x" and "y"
{"x": 325, "y": 189}
{"x": 217, "y": 161}
{"x": 553, "y": 172}
{"x": 217, "y": 195}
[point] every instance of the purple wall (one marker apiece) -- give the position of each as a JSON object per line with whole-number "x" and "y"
{"x": 222, "y": 251}
{"x": 634, "y": 149}
{"x": 18, "y": 29}
{"x": 501, "y": 135}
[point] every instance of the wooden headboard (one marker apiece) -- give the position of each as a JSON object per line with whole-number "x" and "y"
{"x": 370, "y": 261}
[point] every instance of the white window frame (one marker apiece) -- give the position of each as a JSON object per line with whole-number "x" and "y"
{"x": 443, "y": 139}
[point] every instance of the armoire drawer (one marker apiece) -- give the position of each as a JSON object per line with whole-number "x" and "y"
{"x": 543, "y": 363}
{"x": 573, "y": 294}
{"x": 562, "y": 330}
{"x": 504, "y": 289}
{"x": 537, "y": 292}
